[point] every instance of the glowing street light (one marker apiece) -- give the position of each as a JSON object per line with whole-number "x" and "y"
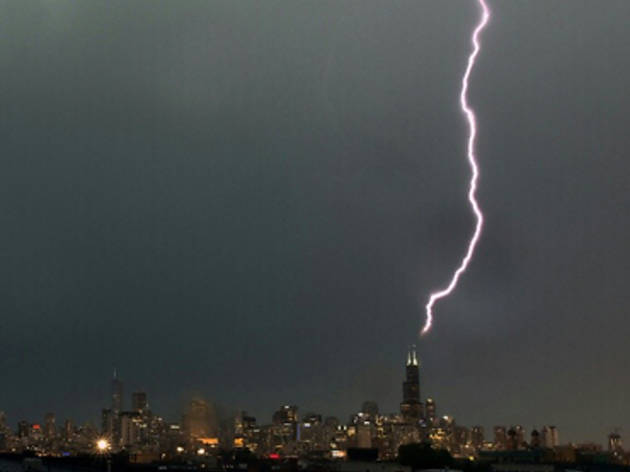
{"x": 102, "y": 445}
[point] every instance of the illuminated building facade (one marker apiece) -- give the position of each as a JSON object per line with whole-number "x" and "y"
{"x": 145, "y": 436}
{"x": 550, "y": 437}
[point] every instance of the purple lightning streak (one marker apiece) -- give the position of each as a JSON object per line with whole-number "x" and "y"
{"x": 472, "y": 160}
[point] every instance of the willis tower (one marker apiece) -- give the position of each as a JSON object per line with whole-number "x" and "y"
{"x": 411, "y": 407}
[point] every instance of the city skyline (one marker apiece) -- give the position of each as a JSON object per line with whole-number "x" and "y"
{"x": 143, "y": 432}
{"x": 413, "y": 407}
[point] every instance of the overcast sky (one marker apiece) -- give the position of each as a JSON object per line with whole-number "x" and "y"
{"x": 251, "y": 200}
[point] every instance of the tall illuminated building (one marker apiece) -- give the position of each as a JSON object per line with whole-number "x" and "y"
{"x": 286, "y": 414}
{"x": 516, "y": 437}
{"x": 411, "y": 407}
{"x": 285, "y": 423}
{"x": 477, "y": 437}
{"x": 520, "y": 435}
{"x": 130, "y": 428}
{"x": 200, "y": 420}
{"x": 68, "y": 430}
{"x": 50, "y": 430}
{"x": 430, "y": 414}
{"x": 500, "y": 438}
{"x": 550, "y": 437}
{"x": 614, "y": 442}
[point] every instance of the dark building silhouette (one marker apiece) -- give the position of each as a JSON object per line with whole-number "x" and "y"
{"x": 516, "y": 438}
{"x": 139, "y": 402}
{"x": 370, "y": 408}
{"x": 534, "y": 441}
{"x": 117, "y": 407}
{"x": 477, "y": 437}
{"x": 107, "y": 422}
{"x": 50, "y": 430}
{"x": 117, "y": 394}
{"x": 411, "y": 407}
{"x": 23, "y": 429}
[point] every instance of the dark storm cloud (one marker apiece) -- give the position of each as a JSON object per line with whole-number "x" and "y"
{"x": 237, "y": 197}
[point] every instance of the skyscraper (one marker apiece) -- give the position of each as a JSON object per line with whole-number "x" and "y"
{"x": 430, "y": 414}
{"x": 286, "y": 414}
{"x": 614, "y": 442}
{"x": 117, "y": 406}
{"x": 50, "y": 429}
{"x": 107, "y": 422}
{"x": 130, "y": 426}
{"x": 516, "y": 437}
{"x": 520, "y": 435}
{"x": 411, "y": 406}
{"x": 139, "y": 402}
{"x": 23, "y": 429}
{"x": 285, "y": 424}
{"x": 500, "y": 438}
{"x": 68, "y": 430}
{"x": 117, "y": 394}
{"x": 200, "y": 420}
{"x": 477, "y": 437}
{"x": 550, "y": 436}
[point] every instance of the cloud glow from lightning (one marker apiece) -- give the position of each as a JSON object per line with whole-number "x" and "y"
{"x": 472, "y": 160}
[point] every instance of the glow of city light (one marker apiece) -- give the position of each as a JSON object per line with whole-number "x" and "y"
{"x": 472, "y": 160}
{"x": 102, "y": 445}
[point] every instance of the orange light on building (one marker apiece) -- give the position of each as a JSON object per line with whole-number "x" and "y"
{"x": 212, "y": 442}
{"x": 239, "y": 442}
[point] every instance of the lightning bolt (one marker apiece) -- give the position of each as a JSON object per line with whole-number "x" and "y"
{"x": 472, "y": 160}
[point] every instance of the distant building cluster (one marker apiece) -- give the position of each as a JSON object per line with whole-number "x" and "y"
{"x": 147, "y": 437}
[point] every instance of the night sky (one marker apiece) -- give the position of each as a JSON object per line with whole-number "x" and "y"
{"x": 251, "y": 201}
